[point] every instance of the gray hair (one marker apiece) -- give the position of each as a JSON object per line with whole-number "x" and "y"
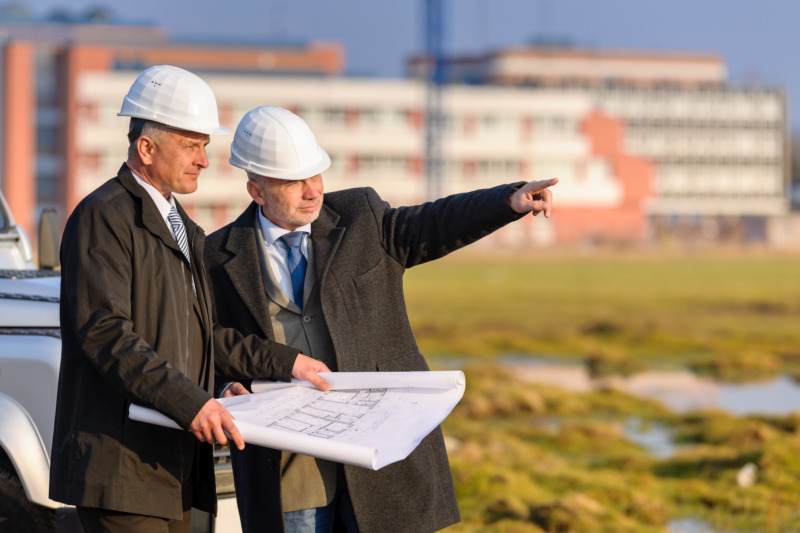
{"x": 155, "y": 130}
{"x": 252, "y": 176}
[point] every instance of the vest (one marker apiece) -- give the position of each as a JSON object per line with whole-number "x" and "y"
{"x": 306, "y": 482}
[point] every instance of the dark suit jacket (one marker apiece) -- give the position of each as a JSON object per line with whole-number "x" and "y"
{"x": 126, "y": 301}
{"x": 361, "y": 249}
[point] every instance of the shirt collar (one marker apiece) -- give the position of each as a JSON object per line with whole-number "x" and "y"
{"x": 272, "y": 232}
{"x": 162, "y": 204}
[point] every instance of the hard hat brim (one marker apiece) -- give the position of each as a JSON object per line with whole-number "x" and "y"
{"x": 320, "y": 166}
{"x": 212, "y": 130}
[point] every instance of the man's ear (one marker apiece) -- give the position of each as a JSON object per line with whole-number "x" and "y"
{"x": 145, "y": 147}
{"x": 256, "y": 192}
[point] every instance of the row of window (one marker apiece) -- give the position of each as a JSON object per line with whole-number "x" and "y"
{"x": 93, "y": 161}
{"x": 723, "y": 163}
{"x": 723, "y": 196}
{"x": 716, "y": 92}
{"x": 738, "y": 152}
{"x": 717, "y": 125}
{"x": 396, "y": 119}
{"x": 479, "y": 125}
{"x": 734, "y": 185}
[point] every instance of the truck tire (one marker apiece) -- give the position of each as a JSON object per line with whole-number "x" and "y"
{"x": 17, "y": 513}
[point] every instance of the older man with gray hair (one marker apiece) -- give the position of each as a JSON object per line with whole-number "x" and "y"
{"x": 323, "y": 273}
{"x": 136, "y": 327}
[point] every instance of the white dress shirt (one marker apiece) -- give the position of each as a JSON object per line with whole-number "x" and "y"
{"x": 278, "y": 253}
{"x": 163, "y": 205}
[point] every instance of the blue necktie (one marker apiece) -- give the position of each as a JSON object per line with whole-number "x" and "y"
{"x": 179, "y": 232}
{"x": 297, "y": 263}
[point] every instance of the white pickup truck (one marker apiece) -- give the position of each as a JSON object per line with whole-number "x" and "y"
{"x": 30, "y": 355}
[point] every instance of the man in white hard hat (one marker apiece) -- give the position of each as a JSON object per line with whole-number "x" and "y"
{"x": 346, "y": 309}
{"x": 136, "y": 327}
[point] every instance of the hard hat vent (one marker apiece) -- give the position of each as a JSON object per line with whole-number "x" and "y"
{"x": 276, "y": 143}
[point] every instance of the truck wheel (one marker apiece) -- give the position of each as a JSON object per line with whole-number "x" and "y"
{"x": 16, "y": 512}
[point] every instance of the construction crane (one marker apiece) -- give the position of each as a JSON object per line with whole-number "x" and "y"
{"x": 435, "y": 80}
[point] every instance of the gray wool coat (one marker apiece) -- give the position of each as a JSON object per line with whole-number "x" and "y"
{"x": 361, "y": 249}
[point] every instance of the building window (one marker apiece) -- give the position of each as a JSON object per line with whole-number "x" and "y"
{"x": 334, "y": 117}
{"x": 87, "y": 112}
{"x": 47, "y": 86}
{"x": 46, "y": 141}
{"x": 89, "y": 161}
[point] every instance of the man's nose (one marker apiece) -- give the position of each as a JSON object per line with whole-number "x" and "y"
{"x": 310, "y": 192}
{"x": 202, "y": 159}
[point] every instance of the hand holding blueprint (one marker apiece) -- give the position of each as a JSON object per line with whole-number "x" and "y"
{"x": 367, "y": 419}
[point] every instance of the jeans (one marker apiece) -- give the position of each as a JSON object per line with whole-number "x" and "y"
{"x": 322, "y": 519}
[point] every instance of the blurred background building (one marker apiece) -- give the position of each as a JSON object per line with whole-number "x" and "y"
{"x": 720, "y": 152}
{"x": 648, "y": 147}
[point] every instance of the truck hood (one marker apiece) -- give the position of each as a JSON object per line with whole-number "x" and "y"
{"x": 29, "y": 299}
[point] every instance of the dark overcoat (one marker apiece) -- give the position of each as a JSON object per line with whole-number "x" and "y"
{"x": 125, "y": 306}
{"x": 361, "y": 249}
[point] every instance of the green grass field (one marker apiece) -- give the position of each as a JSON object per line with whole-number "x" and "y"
{"x": 715, "y": 313}
{"x": 528, "y": 458}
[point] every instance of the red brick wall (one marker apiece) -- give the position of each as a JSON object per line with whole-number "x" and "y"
{"x": 19, "y": 179}
{"x": 625, "y": 222}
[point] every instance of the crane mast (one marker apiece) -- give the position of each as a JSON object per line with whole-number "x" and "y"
{"x": 435, "y": 79}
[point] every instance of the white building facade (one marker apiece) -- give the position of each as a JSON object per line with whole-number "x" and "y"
{"x": 373, "y": 130}
{"x": 719, "y": 155}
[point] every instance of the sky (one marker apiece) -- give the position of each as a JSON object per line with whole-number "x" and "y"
{"x": 759, "y": 39}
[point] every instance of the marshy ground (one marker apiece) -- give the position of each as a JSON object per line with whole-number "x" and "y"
{"x": 531, "y": 457}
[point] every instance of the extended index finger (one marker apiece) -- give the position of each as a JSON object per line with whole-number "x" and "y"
{"x": 541, "y": 185}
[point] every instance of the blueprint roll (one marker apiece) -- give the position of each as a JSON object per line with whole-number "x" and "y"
{"x": 280, "y": 440}
{"x": 449, "y": 379}
{"x": 151, "y": 416}
{"x": 367, "y": 419}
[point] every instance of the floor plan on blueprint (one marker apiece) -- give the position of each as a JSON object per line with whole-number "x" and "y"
{"x": 369, "y": 419}
{"x": 332, "y": 414}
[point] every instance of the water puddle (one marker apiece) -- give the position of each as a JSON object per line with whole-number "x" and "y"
{"x": 681, "y": 391}
{"x": 691, "y": 525}
{"x": 653, "y": 437}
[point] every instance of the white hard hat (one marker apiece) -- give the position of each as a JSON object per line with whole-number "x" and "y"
{"x": 274, "y": 142}
{"x": 174, "y": 97}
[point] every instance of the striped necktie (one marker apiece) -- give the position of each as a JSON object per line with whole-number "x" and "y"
{"x": 296, "y": 262}
{"x": 179, "y": 232}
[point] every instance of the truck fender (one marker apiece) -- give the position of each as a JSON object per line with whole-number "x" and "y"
{"x": 24, "y": 447}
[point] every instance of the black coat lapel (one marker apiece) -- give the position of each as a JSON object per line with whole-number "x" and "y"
{"x": 325, "y": 239}
{"x": 244, "y": 269}
{"x": 151, "y": 218}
